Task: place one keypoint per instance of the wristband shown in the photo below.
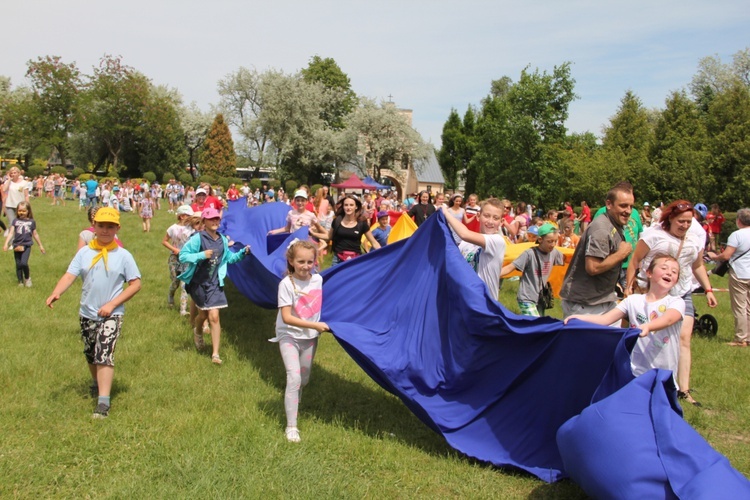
(709, 290)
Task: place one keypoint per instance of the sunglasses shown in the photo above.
(684, 207)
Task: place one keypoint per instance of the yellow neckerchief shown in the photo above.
(102, 249)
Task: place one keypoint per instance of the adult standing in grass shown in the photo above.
(737, 253)
(15, 190)
(104, 268)
(673, 237)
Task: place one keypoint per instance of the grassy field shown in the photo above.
(181, 427)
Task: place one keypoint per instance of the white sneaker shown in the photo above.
(292, 435)
(28, 283)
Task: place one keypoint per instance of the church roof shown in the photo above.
(428, 170)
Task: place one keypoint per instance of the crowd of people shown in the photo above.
(639, 267)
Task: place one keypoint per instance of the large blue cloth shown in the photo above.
(257, 276)
(496, 385)
(419, 321)
(635, 444)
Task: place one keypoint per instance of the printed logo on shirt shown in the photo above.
(641, 318)
(308, 305)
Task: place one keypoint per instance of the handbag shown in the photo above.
(545, 300)
(721, 268)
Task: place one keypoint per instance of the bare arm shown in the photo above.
(168, 245)
(462, 231)
(62, 285)
(372, 240)
(699, 271)
(35, 235)
(605, 319)
(133, 287)
(288, 318)
(641, 250)
(507, 269)
(669, 318)
(725, 255)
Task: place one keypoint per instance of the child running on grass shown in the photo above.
(536, 265)
(104, 267)
(146, 211)
(207, 255)
(656, 313)
(484, 250)
(297, 325)
(22, 231)
(177, 235)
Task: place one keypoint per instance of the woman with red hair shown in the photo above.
(673, 236)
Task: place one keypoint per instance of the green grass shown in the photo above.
(181, 427)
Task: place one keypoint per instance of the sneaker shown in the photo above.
(215, 359)
(198, 339)
(101, 411)
(20, 283)
(292, 435)
(28, 283)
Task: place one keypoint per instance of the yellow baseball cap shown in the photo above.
(107, 214)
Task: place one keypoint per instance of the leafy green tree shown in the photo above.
(340, 99)
(449, 155)
(55, 88)
(19, 124)
(728, 126)
(219, 159)
(518, 137)
(630, 134)
(468, 149)
(679, 153)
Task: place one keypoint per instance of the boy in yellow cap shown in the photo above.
(104, 268)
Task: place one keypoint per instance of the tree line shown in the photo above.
(514, 144)
(305, 126)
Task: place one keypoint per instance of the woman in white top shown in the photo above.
(737, 253)
(15, 190)
(671, 237)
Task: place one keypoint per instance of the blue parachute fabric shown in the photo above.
(257, 276)
(635, 444)
(496, 385)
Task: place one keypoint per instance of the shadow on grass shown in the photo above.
(329, 397)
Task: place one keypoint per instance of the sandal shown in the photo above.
(688, 397)
(198, 339)
(292, 435)
(215, 359)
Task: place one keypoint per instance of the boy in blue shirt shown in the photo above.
(382, 232)
(104, 268)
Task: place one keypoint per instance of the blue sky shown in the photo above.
(431, 56)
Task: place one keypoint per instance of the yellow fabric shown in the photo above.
(102, 249)
(512, 252)
(403, 228)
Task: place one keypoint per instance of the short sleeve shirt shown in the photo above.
(348, 239)
(487, 261)
(601, 239)
(533, 277)
(101, 285)
(660, 349)
(296, 220)
(306, 299)
(23, 232)
(661, 241)
(740, 261)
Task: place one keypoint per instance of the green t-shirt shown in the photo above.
(632, 230)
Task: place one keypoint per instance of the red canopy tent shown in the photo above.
(353, 182)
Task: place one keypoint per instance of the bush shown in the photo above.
(290, 186)
(186, 179)
(35, 170)
(167, 177)
(255, 184)
(85, 177)
(60, 170)
(274, 183)
(208, 178)
(224, 182)
(76, 173)
(150, 177)
(315, 188)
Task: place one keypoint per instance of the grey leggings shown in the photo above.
(297, 355)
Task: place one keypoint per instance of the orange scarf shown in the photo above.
(102, 249)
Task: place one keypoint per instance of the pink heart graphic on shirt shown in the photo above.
(309, 304)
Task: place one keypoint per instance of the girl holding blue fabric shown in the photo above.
(207, 255)
(298, 325)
